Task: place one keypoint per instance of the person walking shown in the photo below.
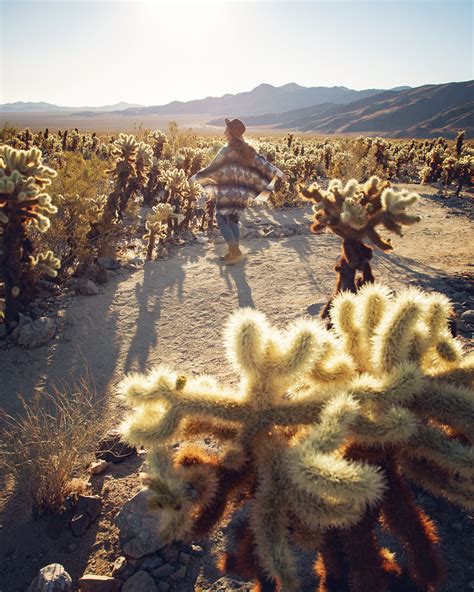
(237, 173)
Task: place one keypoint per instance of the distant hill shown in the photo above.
(429, 110)
(264, 98)
(29, 107)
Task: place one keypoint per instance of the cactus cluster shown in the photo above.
(156, 225)
(132, 162)
(24, 205)
(317, 441)
(354, 212)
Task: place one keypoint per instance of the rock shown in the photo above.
(138, 526)
(3, 331)
(163, 586)
(112, 449)
(164, 571)
(49, 287)
(51, 578)
(136, 261)
(71, 547)
(202, 240)
(37, 333)
(80, 524)
(89, 504)
(184, 558)
(103, 275)
(152, 561)
(98, 467)
(140, 582)
(108, 262)
(170, 553)
(180, 574)
(94, 583)
(468, 317)
(88, 508)
(197, 550)
(86, 287)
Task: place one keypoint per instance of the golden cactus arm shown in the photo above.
(333, 427)
(372, 303)
(448, 403)
(391, 341)
(396, 387)
(449, 349)
(462, 374)
(439, 483)
(429, 442)
(392, 426)
(343, 315)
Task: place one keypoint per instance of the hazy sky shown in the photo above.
(96, 53)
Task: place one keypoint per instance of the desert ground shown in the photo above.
(172, 311)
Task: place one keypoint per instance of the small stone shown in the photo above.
(108, 262)
(3, 331)
(136, 261)
(163, 586)
(98, 467)
(184, 558)
(119, 565)
(37, 333)
(170, 553)
(51, 578)
(180, 574)
(80, 523)
(152, 561)
(139, 526)
(471, 585)
(164, 571)
(457, 526)
(103, 276)
(95, 583)
(140, 582)
(89, 504)
(71, 547)
(86, 287)
(468, 316)
(112, 449)
(197, 550)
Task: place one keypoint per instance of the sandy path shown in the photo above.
(172, 311)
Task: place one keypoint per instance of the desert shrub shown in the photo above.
(48, 446)
(79, 192)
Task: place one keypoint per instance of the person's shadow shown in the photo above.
(236, 274)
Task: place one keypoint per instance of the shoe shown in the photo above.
(234, 255)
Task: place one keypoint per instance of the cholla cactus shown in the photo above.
(318, 440)
(353, 212)
(23, 204)
(132, 162)
(277, 454)
(156, 225)
(396, 357)
(154, 185)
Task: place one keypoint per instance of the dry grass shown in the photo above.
(48, 446)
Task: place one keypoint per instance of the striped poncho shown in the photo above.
(232, 183)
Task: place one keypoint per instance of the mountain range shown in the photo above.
(31, 107)
(424, 111)
(429, 110)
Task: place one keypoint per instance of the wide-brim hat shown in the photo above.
(235, 127)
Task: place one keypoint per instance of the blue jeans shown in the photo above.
(229, 227)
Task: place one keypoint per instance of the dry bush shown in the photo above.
(48, 446)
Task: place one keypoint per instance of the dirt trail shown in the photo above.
(172, 311)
